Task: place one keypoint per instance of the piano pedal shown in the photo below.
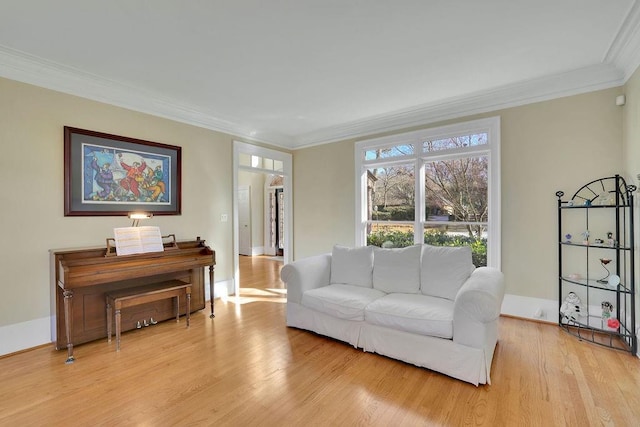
(144, 322)
(153, 322)
(138, 326)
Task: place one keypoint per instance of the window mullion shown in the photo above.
(420, 214)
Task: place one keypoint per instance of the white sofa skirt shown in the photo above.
(438, 354)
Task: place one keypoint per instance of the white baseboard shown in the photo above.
(255, 250)
(33, 333)
(530, 308)
(21, 336)
(540, 309)
(222, 288)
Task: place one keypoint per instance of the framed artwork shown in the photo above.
(114, 175)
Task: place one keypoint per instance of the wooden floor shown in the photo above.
(246, 368)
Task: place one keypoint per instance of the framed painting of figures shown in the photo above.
(113, 175)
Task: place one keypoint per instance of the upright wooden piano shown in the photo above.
(82, 277)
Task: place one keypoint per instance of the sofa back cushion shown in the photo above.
(444, 270)
(352, 266)
(397, 270)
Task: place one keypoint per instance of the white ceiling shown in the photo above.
(300, 72)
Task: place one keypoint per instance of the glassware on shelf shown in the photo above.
(604, 262)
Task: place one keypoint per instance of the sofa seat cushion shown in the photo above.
(415, 313)
(341, 301)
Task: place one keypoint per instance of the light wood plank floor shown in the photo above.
(245, 368)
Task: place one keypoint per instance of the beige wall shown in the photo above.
(31, 196)
(631, 138)
(547, 146)
(323, 198)
(631, 128)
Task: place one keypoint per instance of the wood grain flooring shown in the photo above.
(246, 368)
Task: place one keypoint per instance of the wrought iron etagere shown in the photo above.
(615, 197)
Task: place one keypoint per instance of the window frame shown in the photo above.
(490, 126)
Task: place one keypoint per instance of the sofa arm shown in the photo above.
(304, 274)
(477, 307)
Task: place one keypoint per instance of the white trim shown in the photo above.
(24, 335)
(23, 67)
(221, 289)
(34, 333)
(257, 250)
(527, 307)
(420, 211)
(624, 50)
(575, 82)
(287, 173)
(361, 198)
(489, 125)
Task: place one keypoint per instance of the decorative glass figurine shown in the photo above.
(585, 237)
(604, 262)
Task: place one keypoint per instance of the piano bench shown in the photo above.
(131, 297)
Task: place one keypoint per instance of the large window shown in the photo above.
(437, 186)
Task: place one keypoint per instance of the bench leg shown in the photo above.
(177, 308)
(108, 322)
(188, 308)
(118, 329)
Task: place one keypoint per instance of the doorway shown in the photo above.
(274, 216)
(268, 163)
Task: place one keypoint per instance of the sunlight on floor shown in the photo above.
(249, 295)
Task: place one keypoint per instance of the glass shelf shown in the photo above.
(597, 285)
(595, 246)
(591, 328)
(592, 322)
(592, 206)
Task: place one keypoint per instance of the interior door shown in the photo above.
(244, 220)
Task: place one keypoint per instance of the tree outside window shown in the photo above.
(455, 196)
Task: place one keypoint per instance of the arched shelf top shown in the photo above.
(607, 191)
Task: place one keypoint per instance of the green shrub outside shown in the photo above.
(395, 213)
(393, 239)
(400, 239)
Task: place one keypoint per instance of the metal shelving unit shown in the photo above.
(610, 201)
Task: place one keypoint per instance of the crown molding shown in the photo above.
(624, 51)
(26, 68)
(565, 84)
(621, 60)
(19, 66)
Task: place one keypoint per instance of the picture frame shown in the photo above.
(112, 175)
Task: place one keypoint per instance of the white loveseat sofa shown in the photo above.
(425, 305)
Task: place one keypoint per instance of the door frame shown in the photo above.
(287, 174)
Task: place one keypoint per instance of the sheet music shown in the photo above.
(137, 240)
